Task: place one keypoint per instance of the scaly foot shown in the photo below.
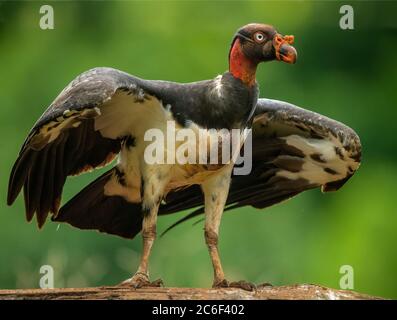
(140, 280)
(245, 285)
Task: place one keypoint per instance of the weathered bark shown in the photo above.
(294, 292)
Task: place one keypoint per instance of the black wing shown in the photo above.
(293, 150)
(81, 130)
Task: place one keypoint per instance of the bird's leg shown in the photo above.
(215, 193)
(141, 277)
(211, 239)
(152, 190)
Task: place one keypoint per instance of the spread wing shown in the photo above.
(293, 150)
(84, 128)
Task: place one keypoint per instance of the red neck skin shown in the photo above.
(240, 66)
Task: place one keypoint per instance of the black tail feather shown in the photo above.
(92, 209)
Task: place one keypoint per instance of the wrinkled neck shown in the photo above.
(240, 66)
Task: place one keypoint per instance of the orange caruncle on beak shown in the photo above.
(283, 49)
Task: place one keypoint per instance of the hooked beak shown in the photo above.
(283, 49)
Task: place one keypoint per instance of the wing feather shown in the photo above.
(65, 140)
(293, 150)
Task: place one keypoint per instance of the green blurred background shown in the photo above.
(347, 75)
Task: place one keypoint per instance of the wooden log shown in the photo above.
(293, 292)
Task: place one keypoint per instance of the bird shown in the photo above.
(105, 114)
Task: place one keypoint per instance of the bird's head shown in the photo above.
(255, 43)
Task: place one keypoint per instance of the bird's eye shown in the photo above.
(259, 37)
